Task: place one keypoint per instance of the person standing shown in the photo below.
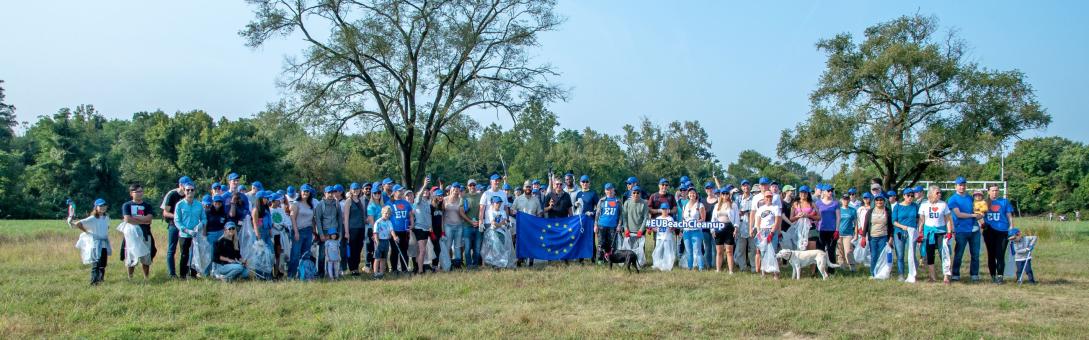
(302, 222)
(217, 221)
(327, 221)
(846, 227)
(852, 199)
(935, 217)
(455, 222)
(403, 221)
(558, 202)
(608, 212)
(636, 213)
(745, 248)
(421, 210)
(876, 230)
(726, 212)
(170, 200)
(471, 232)
(905, 219)
(355, 218)
(693, 238)
(997, 223)
(190, 219)
(827, 227)
(966, 229)
(530, 204)
(139, 213)
(767, 219)
(95, 246)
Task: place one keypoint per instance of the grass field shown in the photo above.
(44, 293)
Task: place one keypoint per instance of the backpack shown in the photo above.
(307, 270)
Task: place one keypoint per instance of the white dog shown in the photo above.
(802, 258)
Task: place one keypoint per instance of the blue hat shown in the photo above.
(497, 199)
(241, 187)
(569, 174)
(276, 197)
(280, 192)
(685, 179)
(291, 190)
(690, 187)
(609, 186)
(232, 176)
(387, 181)
(804, 188)
(631, 180)
(355, 186)
(100, 202)
(636, 188)
(879, 197)
(506, 186)
(708, 185)
(230, 225)
(536, 190)
(217, 198)
(329, 188)
(664, 206)
(338, 188)
(745, 182)
(890, 193)
(728, 188)
(1013, 232)
(764, 180)
(867, 195)
(908, 191)
(397, 187)
(206, 200)
(260, 194)
(663, 181)
(918, 188)
(852, 191)
(960, 180)
(439, 192)
(304, 187)
(536, 182)
(495, 177)
(330, 231)
(456, 185)
(216, 185)
(184, 180)
(258, 185)
(375, 188)
(584, 178)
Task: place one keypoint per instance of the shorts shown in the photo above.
(421, 235)
(382, 251)
(725, 236)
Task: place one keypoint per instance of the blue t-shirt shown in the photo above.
(401, 210)
(610, 213)
(374, 209)
(997, 216)
(964, 203)
(847, 216)
(828, 215)
(384, 229)
(906, 214)
(588, 198)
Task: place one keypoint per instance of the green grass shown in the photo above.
(44, 293)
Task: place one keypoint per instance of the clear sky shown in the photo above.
(727, 64)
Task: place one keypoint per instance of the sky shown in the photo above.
(725, 64)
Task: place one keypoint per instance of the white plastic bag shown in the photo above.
(883, 268)
(909, 254)
(665, 250)
(200, 253)
(861, 254)
(135, 248)
(1010, 273)
(634, 244)
(89, 248)
(798, 236)
(497, 249)
(259, 260)
(947, 262)
(768, 262)
(246, 237)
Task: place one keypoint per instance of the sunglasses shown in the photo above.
(189, 190)
(138, 192)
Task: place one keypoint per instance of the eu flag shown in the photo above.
(554, 238)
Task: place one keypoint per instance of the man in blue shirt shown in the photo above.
(996, 225)
(965, 228)
(585, 203)
(402, 220)
(608, 218)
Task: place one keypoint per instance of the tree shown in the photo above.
(7, 120)
(751, 164)
(907, 98)
(408, 66)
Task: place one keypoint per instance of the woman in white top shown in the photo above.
(693, 238)
(94, 243)
(768, 217)
(726, 211)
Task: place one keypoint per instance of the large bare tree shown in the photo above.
(409, 67)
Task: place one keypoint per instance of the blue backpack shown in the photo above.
(307, 270)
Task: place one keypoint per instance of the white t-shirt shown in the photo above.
(934, 214)
(492, 216)
(766, 214)
(486, 200)
(98, 227)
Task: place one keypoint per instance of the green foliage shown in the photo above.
(907, 98)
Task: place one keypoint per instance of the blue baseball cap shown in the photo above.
(685, 179)
(396, 187)
(852, 191)
(184, 180)
(100, 202)
(216, 185)
(506, 186)
(745, 182)
(890, 193)
(217, 198)
(631, 180)
(867, 195)
(387, 181)
(439, 192)
(375, 188)
(260, 194)
(764, 180)
(879, 197)
(960, 180)
(355, 186)
(241, 187)
(535, 182)
(495, 177)
(497, 199)
(456, 185)
(280, 192)
(584, 178)
(664, 206)
(708, 185)
(232, 176)
(230, 225)
(536, 190)
(804, 188)
(257, 185)
(304, 187)
(663, 181)
(338, 188)
(291, 190)
(908, 191)
(918, 188)
(569, 174)
(207, 199)
(609, 186)
(1013, 232)
(636, 188)
(276, 196)
(328, 188)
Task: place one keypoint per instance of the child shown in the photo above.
(383, 232)
(497, 243)
(1022, 249)
(332, 254)
(665, 246)
(979, 205)
(94, 243)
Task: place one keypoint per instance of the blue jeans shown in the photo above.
(212, 237)
(971, 239)
(708, 249)
(454, 235)
(306, 239)
(471, 242)
(171, 248)
(232, 271)
(876, 245)
(899, 246)
(1027, 276)
(693, 245)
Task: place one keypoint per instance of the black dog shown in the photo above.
(626, 257)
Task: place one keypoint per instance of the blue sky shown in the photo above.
(727, 64)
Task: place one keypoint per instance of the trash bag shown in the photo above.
(89, 248)
(259, 260)
(1011, 263)
(883, 268)
(635, 244)
(861, 254)
(444, 253)
(768, 262)
(200, 254)
(947, 261)
(307, 270)
(287, 240)
(498, 248)
(910, 255)
(798, 236)
(430, 256)
(665, 251)
(246, 237)
(412, 247)
(135, 247)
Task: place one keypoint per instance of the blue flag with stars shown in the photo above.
(552, 239)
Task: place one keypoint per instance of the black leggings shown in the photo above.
(183, 262)
(355, 247)
(400, 252)
(996, 243)
(98, 271)
(931, 248)
(826, 241)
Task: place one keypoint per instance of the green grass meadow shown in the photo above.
(44, 292)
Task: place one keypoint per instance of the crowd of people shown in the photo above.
(235, 231)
